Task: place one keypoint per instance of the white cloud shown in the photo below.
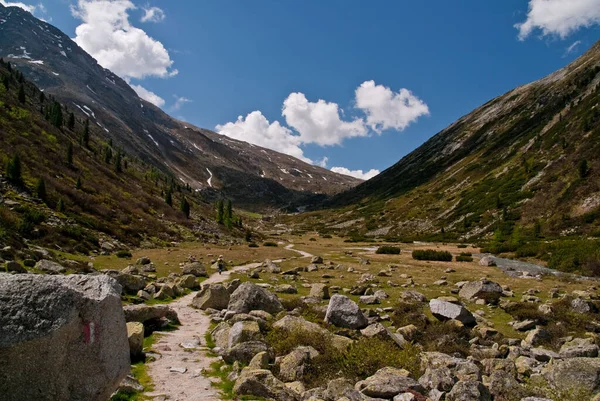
(322, 162)
(148, 96)
(153, 14)
(26, 7)
(571, 48)
(319, 122)
(179, 102)
(256, 129)
(386, 109)
(356, 173)
(108, 36)
(559, 17)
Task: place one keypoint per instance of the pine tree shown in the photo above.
(229, 210)
(118, 167)
(169, 198)
(583, 168)
(9, 67)
(125, 164)
(220, 211)
(21, 95)
(85, 137)
(185, 207)
(5, 82)
(78, 184)
(42, 97)
(56, 117)
(107, 154)
(70, 154)
(13, 170)
(20, 77)
(40, 189)
(71, 121)
(60, 206)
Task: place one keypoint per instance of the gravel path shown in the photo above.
(304, 254)
(177, 374)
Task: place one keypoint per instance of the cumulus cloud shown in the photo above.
(26, 7)
(148, 96)
(319, 122)
(153, 14)
(356, 173)
(179, 102)
(559, 17)
(108, 36)
(386, 109)
(256, 129)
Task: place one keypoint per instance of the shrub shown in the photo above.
(123, 254)
(312, 239)
(406, 313)
(253, 245)
(463, 258)
(431, 254)
(388, 250)
(326, 236)
(462, 246)
(270, 243)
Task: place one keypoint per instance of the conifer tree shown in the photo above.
(228, 214)
(56, 117)
(169, 198)
(107, 154)
(185, 207)
(5, 82)
(220, 211)
(13, 170)
(40, 189)
(60, 206)
(78, 184)
(21, 95)
(118, 167)
(70, 154)
(71, 121)
(85, 137)
(42, 97)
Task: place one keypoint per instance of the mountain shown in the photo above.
(527, 159)
(253, 177)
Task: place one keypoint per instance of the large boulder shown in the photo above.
(343, 312)
(298, 324)
(61, 338)
(294, 364)
(195, 269)
(144, 313)
(15, 267)
(214, 296)
(271, 267)
(249, 296)
(244, 331)
(262, 383)
(489, 291)
(48, 266)
(444, 310)
(135, 335)
(469, 390)
(188, 281)
(387, 383)
(581, 374)
(244, 352)
(487, 261)
(319, 291)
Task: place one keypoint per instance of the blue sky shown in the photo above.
(324, 79)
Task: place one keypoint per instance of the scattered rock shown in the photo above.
(214, 296)
(387, 383)
(248, 296)
(48, 266)
(343, 312)
(487, 261)
(319, 291)
(483, 289)
(262, 383)
(195, 268)
(135, 336)
(444, 310)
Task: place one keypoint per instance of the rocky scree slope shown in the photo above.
(530, 155)
(251, 176)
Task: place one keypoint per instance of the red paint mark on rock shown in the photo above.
(89, 333)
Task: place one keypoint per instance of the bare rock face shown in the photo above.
(343, 312)
(61, 338)
(249, 296)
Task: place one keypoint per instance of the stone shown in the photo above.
(144, 313)
(387, 383)
(213, 296)
(135, 336)
(487, 261)
(249, 296)
(232, 285)
(130, 385)
(579, 348)
(48, 266)
(524, 325)
(440, 379)
(271, 267)
(244, 331)
(405, 397)
(369, 300)
(14, 267)
(293, 364)
(286, 289)
(469, 391)
(195, 268)
(543, 355)
(579, 305)
(245, 351)
(144, 260)
(262, 383)
(188, 281)
(343, 312)
(319, 291)
(316, 260)
(413, 296)
(220, 335)
(444, 310)
(581, 373)
(536, 336)
(502, 384)
(409, 332)
(61, 337)
(490, 291)
(260, 361)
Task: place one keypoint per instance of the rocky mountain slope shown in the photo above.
(528, 158)
(253, 177)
